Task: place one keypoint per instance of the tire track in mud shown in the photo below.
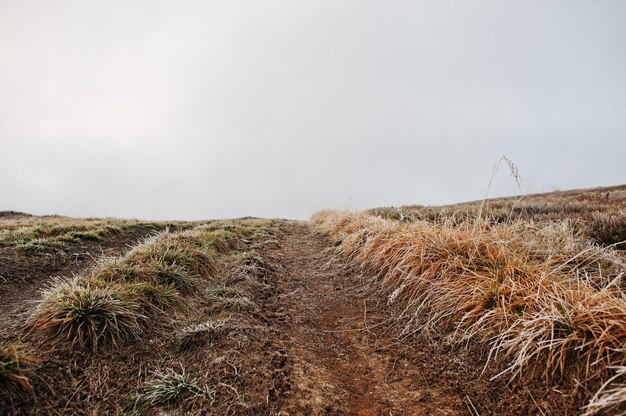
(328, 362)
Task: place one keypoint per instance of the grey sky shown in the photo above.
(209, 109)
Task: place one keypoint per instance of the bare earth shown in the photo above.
(336, 362)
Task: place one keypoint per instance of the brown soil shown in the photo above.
(336, 364)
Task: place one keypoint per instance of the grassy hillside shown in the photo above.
(128, 333)
(538, 281)
(507, 306)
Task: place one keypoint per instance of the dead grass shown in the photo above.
(253, 264)
(599, 214)
(607, 229)
(32, 233)
(227, 297)
(175, 297)
(540, 294)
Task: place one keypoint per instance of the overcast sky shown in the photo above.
(214, 109)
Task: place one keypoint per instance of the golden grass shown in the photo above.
(600, 214)
(542, 296)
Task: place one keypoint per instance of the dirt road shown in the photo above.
(335, 362)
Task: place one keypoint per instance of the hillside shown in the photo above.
(514, 306)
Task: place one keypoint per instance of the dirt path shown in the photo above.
(335, 362)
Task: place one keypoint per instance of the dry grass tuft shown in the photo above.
(611, 394)
(598, 213)
(87, 315)
(253, 264)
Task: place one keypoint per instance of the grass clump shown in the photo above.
(106, 305)
(14, 364)
(224, 292)
(154, 297)
(40, 244)
(170, 249)
(159, 270)
(611, 394)
(87, 315)
(168, 387)
(175, 276)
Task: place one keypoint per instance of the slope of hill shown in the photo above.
(507, 307)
